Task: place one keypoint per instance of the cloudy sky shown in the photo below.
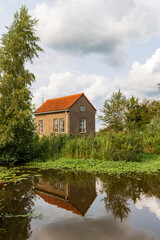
(95, 47)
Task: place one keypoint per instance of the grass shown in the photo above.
(147, 164)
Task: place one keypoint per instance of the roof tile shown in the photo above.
(58, 104)
(61, 203)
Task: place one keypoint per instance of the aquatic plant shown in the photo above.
(147, 164)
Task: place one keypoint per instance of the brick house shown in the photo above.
(70, 114)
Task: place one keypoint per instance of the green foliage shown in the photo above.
(133, 117)
(18, 46)
(147, 164)
(151, 138)
(150, 108)
(98, 147)
(125, 155)
(120, 113)
(114, 111)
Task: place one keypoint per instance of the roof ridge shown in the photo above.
(65, 96)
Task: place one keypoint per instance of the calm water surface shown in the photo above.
(81, 207)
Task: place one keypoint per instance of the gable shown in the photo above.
(83, 101)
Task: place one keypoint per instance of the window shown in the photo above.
(40, 126)
(61, 186)
(40, 180)
(55, 125)
(82, 125)
(55, 185)
(82, 109)
(62, 125)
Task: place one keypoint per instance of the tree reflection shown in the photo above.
(120, 190)
(17, 199)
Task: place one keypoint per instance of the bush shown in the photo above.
(151, 136)
(124, 155)
(102, 146)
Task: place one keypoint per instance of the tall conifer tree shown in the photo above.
(18, 46)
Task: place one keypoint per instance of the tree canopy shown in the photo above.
(113, 111)
(120, 113)
(18, 46)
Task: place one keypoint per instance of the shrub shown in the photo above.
(151, 136)
(124, 155)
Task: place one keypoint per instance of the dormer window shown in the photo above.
(82, 108)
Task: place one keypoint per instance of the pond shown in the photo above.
(66, 205)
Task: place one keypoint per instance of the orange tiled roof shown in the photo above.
(58, 202)
(57, 104)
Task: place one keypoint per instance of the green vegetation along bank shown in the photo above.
(147, 164)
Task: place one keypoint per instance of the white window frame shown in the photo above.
(55, 125)
(61, 125)
(40, 126)
(82, 108)
(61, 186)
(82, 125)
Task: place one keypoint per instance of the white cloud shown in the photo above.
(152, 203)
(142, 81)
(101, 27)
(86, 228)
(60, 84)
(144, 78)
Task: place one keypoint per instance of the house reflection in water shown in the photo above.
(68, 196)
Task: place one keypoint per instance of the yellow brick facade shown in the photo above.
(48, 122)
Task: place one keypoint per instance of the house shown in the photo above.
(69, 114)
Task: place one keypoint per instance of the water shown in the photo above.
(76, 206)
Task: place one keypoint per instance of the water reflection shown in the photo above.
(17, 199)
(104, 228)
(80, 210)
(70, 195)
(119, 190)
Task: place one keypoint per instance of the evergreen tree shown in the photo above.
(18, 46)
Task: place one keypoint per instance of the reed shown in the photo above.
(108, 146)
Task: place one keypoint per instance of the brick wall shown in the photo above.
(48, 122)
(53, 189)
(76, 115)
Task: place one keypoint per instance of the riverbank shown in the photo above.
(147, 164)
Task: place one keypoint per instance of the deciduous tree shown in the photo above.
(114, 111)
(18, 46)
